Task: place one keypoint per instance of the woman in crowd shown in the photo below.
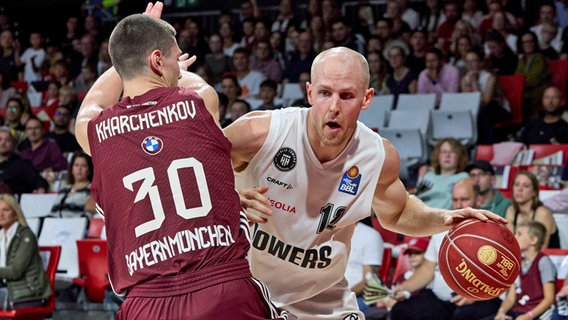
(448, 162)
(6, 92)
(378, 70)
(526, 205)
(499, 24)
(499, 58)
(401, 79)
(493, 106)
(21, 267)
(217, 60)
(227, 34)
(75, 199)
(458, 49)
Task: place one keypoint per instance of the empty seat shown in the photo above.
(35, 205)
(411, 147)
(461, 101)
(410, 119)
(376, 115)
(460, 125)
(93, 268)
(414, 101)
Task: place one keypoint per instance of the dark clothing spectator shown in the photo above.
(540, 132)
(417, 64)
(47, 155)
(66, 141)
(297, 65)
(507, 65)
(21, 175)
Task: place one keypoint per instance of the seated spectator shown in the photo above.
(6, 92)
(73, 200)
(439, 303)
(431, 18)
(416, 60)
(227, 35)
(17, 175)
(14, 110)
(247, 40)
(238, 108)
(415, 251)
(384, 27)
(68, 98)
(500, 59)
(446, 29)
(401, 80)
(550, 128)
(458, 49)
(547, 15)
(302, 102)
(277, 46)
(342, 35)
(533, 65)
(490, 199)
(378, 71)
(400, 28)
(50, 98)
(249, 80)
(21, 268)
(471, 13)
(438, 77)
(499, 24)
(86, 78)
(448, 162)
(493, 106)
(264, 63)
(44, 153)
(268, 91)
(547, 35)
(365, 258)
(526, 206)
(532, 294)
(217, 60)
(301, 59)
(224, 119)
(61, 134)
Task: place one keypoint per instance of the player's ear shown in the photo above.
(309, 92)
(369, 93)
(156, 62)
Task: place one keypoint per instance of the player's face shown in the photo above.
(7, 215)
(523, 190)
(337, 94)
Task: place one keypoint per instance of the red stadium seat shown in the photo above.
(557, 256)
(22, 86)
(386, 265)
(559, 75)
(95, 228)
(45, 310)
(543, 150)
(484, 152)
(402, 265)
(93, 268)
(513, 89)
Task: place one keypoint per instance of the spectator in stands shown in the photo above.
(533, 65)
(438, 77)
(401, 80)
(268, 91)
(263, 61)
(416, 60)
(388, 39)
(378, 71)
(44, 153)
(68, 98)
(71, 32)
(494, 7)
(471, 13)
(92, 27)
(224, 119)
(52, 55)
(277, 46)
(25, 282)
(6, 91)
(217, 60)
(50, 98)
(61, 134)
(499, 24)
(448, 162)
(238, 108)
(330, 12)
(409, 15)
(302, 102)
(446, 29)
(365, 258)
(550, 128)
(547, 14)
(194, 42)
(227, 34)
(432, 17)
(33, 58)
(500, 58)
(89, 54)
(230, 88)
(400, 28)
(14, 110)
(491, 199)
(415, 250)
(261, 30)
(104, 62)
(302, 58)
(493, 106)
(249, 80)
(62, 72)
(73, 200)
(285, 17)
(319, 34)
(458, 49)
(439, 303)
(526, 206)
(547, 34)
(17, 174)
(27, 111)
(247, 39)
(85, 79)
(532, 294)
(342, 35)
(10, 63)
(314, 9)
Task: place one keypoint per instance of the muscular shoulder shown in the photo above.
(247, 135)
(391, 166)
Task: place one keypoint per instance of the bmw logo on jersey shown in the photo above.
(152, 145)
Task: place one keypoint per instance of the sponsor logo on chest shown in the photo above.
(350, 181)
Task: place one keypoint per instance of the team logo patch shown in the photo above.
(350, 182)
(152, 145)
(285, 159)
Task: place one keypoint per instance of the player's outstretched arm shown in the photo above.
(400, 212)
(104, 92)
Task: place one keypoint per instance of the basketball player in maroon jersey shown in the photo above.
(178, 238)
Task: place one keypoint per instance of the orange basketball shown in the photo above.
(479, 260)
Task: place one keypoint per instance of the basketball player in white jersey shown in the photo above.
(317, 172)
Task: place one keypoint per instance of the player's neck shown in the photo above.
(139, 86)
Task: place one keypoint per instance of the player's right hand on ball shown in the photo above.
(253, 198)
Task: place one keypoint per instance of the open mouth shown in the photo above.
(332, 125)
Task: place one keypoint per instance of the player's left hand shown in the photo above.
(154, 10)
(461, 301)
(184, 61)
(454, 217)
(253, 198)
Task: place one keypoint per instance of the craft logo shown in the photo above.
(152, 145)
(350, 182)
(285, 159)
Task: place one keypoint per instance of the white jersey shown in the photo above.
(302, 250)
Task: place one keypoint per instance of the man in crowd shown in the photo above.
(483, 174)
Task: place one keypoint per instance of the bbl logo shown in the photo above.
(285, 159)
(152, 145)
(350, 182)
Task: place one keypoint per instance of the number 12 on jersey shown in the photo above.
(147, 188)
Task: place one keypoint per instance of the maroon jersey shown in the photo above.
(530, 293)
(164, 182)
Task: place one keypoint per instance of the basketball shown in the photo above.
(479, 260)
